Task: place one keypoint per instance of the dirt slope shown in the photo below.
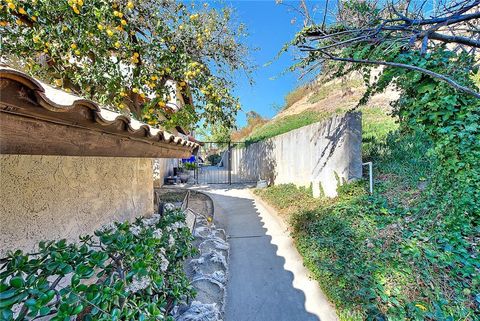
(338, 95)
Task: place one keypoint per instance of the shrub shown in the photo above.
(214, 159)
(190, 166)
(127, 271)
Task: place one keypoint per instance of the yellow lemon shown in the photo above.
(161, 104)
(135, 90)
(77, 52)
(117, 44)
(11, 5)
(123, 22)
(109, 32)
(58, 82)
(130, 5)
(21, 11)
(420, 306)
(73, 46)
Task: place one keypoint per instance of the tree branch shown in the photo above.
(441, 77)
(456, 39)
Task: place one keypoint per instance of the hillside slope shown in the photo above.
(312, 103)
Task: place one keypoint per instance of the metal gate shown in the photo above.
(222, 163)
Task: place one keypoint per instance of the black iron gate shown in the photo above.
(222, 163)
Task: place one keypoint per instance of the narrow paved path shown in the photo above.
(267, 280)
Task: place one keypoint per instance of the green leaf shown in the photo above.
(17, 282)
(7, 294)
(78, 309)
(426, 87)
(44, 310)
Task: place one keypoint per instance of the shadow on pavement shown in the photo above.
(259, 286)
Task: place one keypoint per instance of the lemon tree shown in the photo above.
(131, 55)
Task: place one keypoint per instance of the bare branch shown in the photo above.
(456, 39)
(441, 77)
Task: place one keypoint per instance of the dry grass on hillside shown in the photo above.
(311, 103)
(243, 133)
(338, 95)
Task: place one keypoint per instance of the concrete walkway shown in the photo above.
(267, 280)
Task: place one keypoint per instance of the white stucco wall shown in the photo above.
(323, 154)
(53, 197)
(162, 168)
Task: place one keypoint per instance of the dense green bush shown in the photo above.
(214, 159)
(127, 271)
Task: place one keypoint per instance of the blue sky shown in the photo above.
(269, 26)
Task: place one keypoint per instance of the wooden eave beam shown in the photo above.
(26, 128)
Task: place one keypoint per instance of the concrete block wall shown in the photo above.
(54, 197)
(323, 154)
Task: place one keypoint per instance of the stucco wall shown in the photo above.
(53, 197)
(162, 168)
(323, 155)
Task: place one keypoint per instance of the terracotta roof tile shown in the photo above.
(71, 108)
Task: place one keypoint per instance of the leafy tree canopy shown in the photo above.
(131, 55)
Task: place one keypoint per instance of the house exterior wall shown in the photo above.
(54, 197)
(160, 169)
(323, 155)
(163, 168)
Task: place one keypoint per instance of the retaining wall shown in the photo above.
(323, 154)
